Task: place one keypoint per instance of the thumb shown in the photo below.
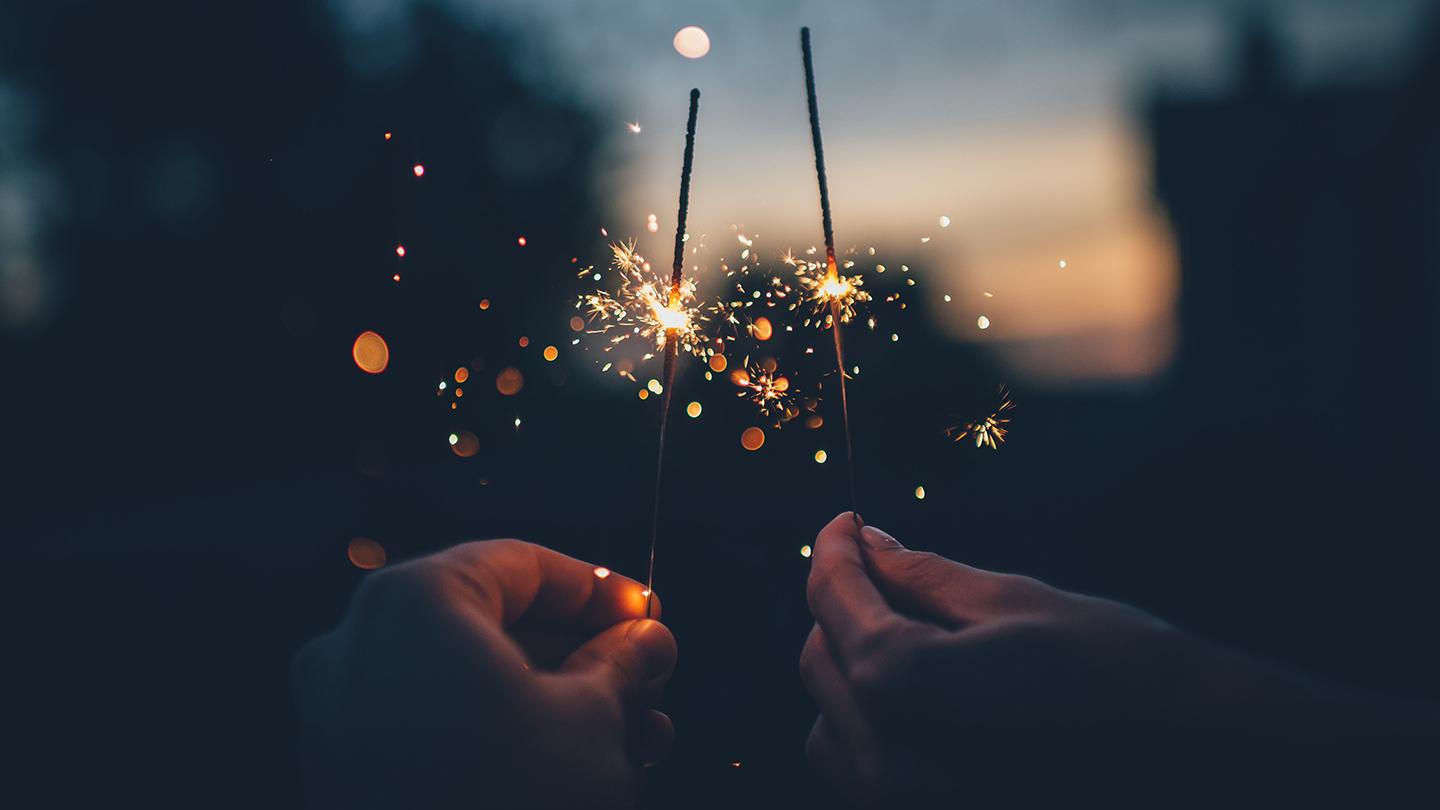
(923, 583)
(632, 659)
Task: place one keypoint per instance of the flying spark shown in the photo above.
(989, 431)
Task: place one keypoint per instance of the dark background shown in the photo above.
(188, 448)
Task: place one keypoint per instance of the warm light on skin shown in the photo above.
(366, 554)
(371, 353)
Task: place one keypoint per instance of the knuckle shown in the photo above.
(408, 584)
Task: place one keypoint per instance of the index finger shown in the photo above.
(845, 602)
(516, 580)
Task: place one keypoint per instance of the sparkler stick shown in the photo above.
(832, 272)
(672, 337)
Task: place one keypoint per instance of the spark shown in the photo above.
(645, 306)
(633, 126)
(419, 170)
(768, 391)
(989, 431)
(827, 287)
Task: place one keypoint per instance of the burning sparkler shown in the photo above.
(662, 312)
(839, 292)
(678, 324)
(990, 430)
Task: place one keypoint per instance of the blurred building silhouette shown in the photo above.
(1305, 221)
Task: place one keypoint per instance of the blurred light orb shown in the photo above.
(522, 241)
(577, 324)
(805, 551)
(655, 386)
(550, 354)
(464, 444)
(944, 222)
(400, 251)
(1062, 264)
(462, 374)
(692, 42)
(752, 439)
(509, 381)
(762, 329)
(919, 493)
(821, 456)
(718, 363)
(982, 322)
(602, 572)
(366, 554)
(484, 303)
(693, 410)
(419, 170)
(370, 353)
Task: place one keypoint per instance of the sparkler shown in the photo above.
(840, 293)
(989, 431)
(678, 324)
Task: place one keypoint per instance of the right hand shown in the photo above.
(936, 680)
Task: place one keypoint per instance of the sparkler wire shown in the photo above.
(831, 268)
(672, 343)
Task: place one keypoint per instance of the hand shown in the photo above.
(938, 680)
(495, 674)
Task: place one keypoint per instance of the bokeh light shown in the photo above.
(762, 329)
(464, 444)
(509, 381)
(718, 362)
(462, 374)
(366, 554)
(371, 353)
(752, 439)
(550, 354)
(805, 551)
(692, 42)
(821, 456)
(693, 410)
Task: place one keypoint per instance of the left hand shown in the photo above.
(496, 674)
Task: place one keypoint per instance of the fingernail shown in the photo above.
(656, 645)
(876, 539)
